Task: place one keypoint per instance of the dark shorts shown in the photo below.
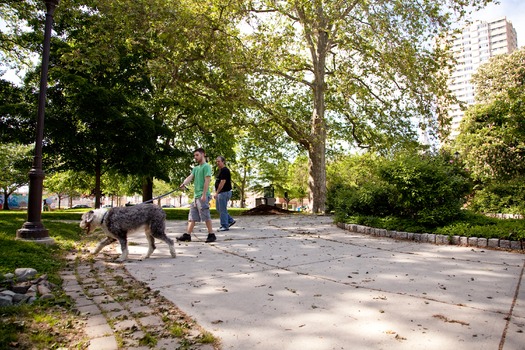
(199, 210)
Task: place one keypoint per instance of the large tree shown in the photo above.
(134, 86)
(16, 114)
(170, 59)
(358, 70)
(492, 134)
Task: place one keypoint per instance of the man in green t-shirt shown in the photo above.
(200, 206)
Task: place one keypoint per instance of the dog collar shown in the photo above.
(103, 217)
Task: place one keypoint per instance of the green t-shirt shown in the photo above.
(199, 174)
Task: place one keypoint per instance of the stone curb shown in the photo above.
(493, 243)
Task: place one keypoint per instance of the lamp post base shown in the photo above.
(34, 232)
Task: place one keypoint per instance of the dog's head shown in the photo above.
(86, 222)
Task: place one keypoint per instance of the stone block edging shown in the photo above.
(478, 242)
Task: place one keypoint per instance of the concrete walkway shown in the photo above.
(299, 282)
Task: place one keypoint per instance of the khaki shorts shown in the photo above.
(199, 210)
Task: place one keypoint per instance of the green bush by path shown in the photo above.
(468, 224)
(428, 189)
(506, 198)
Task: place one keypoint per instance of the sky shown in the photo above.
(514, 10)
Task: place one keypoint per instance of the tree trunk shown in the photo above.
(147, 189)
(98, 175)
(6, 203)
(317, 177)
(243, 186)
(317, 144)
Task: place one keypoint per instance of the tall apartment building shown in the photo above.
(473, 47)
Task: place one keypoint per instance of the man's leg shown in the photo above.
(208, 226)
(193, 216)
(204, 212)
(230, 220)
(222, 202)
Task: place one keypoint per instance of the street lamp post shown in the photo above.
(33, 229)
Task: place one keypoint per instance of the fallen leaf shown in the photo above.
(446, 319)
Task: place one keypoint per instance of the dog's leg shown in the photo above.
(151, 243)
(170, 244)
(162, 236)
(124, 248)
(102, 244)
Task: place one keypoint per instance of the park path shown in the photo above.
(299, 282)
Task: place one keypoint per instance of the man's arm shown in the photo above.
(219, 187)
(186, 181)
(207, 180)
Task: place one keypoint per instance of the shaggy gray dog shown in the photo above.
(116, 222)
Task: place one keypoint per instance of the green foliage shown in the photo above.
(297, 182)
(390, 223)
(320, 72)
(492, 137)
(9, 331)
(427, 189)
(261, 160)
(17, 114)
(508, 198)
(467, 224)
(170, 76)
(69, 183)
(14, 165)
(477, 225)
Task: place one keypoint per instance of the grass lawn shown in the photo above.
(44, 324)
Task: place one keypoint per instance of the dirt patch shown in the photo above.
(265, 209)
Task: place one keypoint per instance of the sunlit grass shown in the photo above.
(206, 338)
(37, 323)
(177, 331)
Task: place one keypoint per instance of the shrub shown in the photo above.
(427, 189)
(508, 198)
(468, 224)
(477, 225)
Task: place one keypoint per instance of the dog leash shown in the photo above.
(162, 195)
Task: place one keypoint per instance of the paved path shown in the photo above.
(118, 312)
(299, 282)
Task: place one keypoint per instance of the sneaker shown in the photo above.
(223, 229)
(232, 223)
(184, 238)
(211, 238)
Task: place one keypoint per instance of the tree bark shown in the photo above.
(147, 189)
(317, 177)
(317, 144)
(98, 175)
(6, 203)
